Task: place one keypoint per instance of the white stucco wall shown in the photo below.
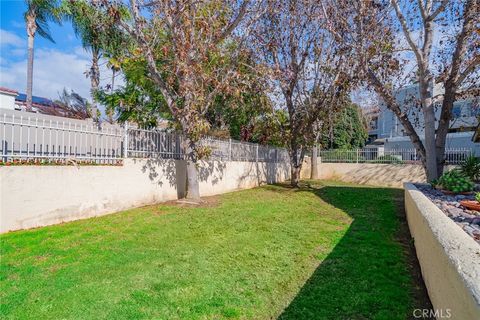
(7, 101)
(380, 174)
(34, 196)
(448, 256)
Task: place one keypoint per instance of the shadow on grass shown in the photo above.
(373, 272)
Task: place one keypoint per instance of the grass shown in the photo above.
(327, 251)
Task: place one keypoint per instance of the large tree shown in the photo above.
(306, 69)
(330, 102)
(437, 40)
(39, 13)
(181, 43)
(139, 100)
(345, 129)
(245, 116)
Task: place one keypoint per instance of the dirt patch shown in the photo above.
(159, 208)
(403, 236)
(206, 202)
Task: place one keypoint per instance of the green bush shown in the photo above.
(455, 181)
(470, 167)
(477, 196)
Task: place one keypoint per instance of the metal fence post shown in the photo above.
(230, 149)
(256, 152)
(357, 155)
(125, 141)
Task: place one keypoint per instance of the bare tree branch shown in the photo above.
(407, 33)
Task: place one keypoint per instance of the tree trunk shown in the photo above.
(430, 149)
(443, 126)
(330, 130)
(295, 179)
(193, 188)
(296, 161)
(31, 29)
(314, 165)
(94, 81)
(453, 81)
(401, 115)
(429, 121)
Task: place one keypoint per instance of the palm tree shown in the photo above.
(83, 15)
(114, 65)
(95, 30)
(37, 16)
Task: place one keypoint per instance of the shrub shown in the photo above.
(455, 181)
(470, 167)
(477, 196)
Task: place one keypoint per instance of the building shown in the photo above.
(39, 104)
(371, 115)
(13, 100)
(7, 98)
(386, 127)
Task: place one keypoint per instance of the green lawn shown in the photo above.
(327, 251)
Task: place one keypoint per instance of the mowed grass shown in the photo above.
(326, 251)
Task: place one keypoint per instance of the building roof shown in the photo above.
(8, 91)
(22, 97)
(44, 105)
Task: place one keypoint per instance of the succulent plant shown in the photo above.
(455, 181)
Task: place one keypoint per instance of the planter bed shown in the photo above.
(468, 220)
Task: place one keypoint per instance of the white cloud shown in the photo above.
(17, 24)
(18, 52)
(8, 38)
(53, 70)
(81, 52)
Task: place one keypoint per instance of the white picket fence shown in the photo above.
(143, 143)
(396, 156)
(47, 139)
(27, 138)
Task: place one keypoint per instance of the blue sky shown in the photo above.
(56, 65)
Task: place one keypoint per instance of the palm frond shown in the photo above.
(45, 11)
(43, 30)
